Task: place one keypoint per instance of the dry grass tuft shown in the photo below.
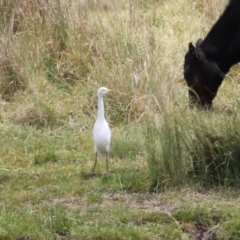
(38, 115)
(212, 9)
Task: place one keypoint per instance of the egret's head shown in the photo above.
(103, 91)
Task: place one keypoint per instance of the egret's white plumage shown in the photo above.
(101, 130)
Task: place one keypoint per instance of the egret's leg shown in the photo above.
(95, 163)
(107, 161)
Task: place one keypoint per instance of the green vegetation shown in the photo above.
(173, 172)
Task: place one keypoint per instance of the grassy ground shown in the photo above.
(53, 57)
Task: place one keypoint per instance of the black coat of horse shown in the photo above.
(206, 64)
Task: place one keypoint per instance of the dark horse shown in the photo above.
(206, 64)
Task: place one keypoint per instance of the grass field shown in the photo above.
(173, 171)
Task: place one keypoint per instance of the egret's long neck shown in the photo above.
(100, 107)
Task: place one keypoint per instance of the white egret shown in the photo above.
(101, 130)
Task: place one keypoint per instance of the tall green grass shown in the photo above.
(199, 146)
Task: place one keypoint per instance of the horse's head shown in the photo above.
(203, 77)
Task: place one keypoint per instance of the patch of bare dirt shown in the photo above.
(162, 202)
(147, 202)
(4, 178)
